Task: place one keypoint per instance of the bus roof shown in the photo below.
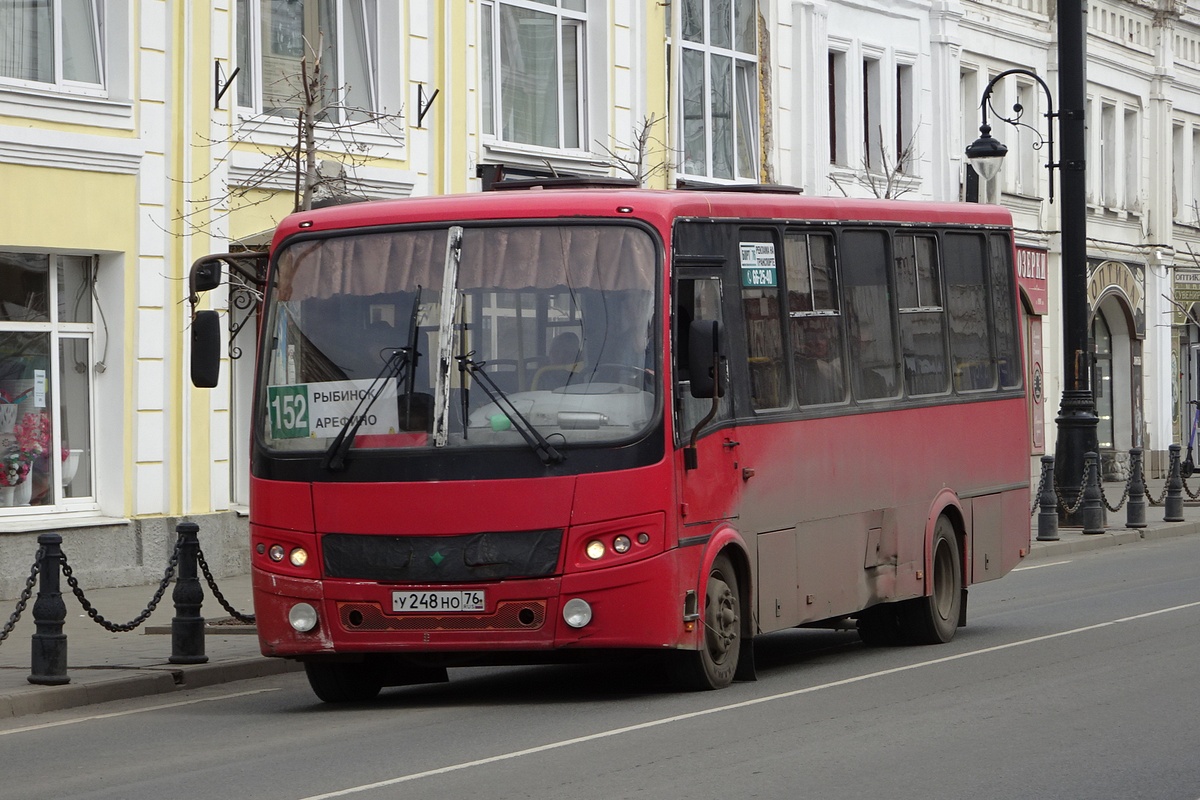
(659, 206)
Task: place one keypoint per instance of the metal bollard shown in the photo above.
(1173, 511)
(187, 626)
(1047, 504)
(1092, 513)
(49, 656)
(1135, 511)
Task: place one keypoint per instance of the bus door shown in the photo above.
(711, 491)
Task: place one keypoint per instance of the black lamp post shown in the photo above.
(1077, 413)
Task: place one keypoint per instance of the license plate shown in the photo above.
(439, 602)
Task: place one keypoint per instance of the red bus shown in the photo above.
(541, 424)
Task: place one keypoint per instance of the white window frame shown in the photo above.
(745, 98)
(60, 331)
(570, 20)
(250, 80)
(59, 82)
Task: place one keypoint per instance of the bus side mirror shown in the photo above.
(206, 349)
(705, 342)
(205, 275)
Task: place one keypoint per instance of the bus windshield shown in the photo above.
(391, 329)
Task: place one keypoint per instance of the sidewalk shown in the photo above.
(104, 666)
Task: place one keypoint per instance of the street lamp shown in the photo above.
(1077, 419)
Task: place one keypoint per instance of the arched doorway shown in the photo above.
(1116, 384)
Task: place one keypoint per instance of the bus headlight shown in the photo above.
(303, 617)
(577, 612)
(622, 543)
(595, 550)
(276, 552)
(298, 557)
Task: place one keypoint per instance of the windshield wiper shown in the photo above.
(335, 456)
(530, 434)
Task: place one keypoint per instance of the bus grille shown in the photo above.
(524, 615)
(471, 557)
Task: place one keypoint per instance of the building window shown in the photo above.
(837, 109)
(280, 42)
(719, 89)
(1133, 155)
(873, 140)
(46, 358)
(905, 129)
(53, 41)
(533, 83)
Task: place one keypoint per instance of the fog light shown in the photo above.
(298, 557)
(595, 550)
(276, 552)
(622, 544)
(643, 538)
(303, 617)
(577, 612)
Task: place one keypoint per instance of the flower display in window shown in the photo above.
(14, 468)
(33, 434)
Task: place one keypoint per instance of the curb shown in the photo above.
(143, 682)
(1077, 542)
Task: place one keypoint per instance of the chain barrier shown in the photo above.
(1120, 503)
(27, 593)
(1194, 495)
(140, 618)
(1073, 509)
(1161, 497)
(212, 584)
(1037, 496)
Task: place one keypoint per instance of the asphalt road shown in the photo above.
(1076, 678)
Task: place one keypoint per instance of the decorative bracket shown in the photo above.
(423, 103)
(221, 84)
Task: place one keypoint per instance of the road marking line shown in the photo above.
(1039, 566)
(76, 720)
(731, 707)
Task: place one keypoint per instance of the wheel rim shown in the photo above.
(720, 618)
(943, 580)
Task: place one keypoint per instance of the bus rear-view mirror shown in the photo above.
(206, 349)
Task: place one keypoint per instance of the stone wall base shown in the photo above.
(126, 552)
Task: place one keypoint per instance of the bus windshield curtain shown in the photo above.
(508, 258)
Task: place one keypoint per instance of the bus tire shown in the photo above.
(339, 682)
(934, 619)
(714, 664)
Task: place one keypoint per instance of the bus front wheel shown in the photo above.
(341, 682)
(714, 664)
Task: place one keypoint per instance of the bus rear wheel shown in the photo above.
(714, 664)
(340, 682)
(934, 619)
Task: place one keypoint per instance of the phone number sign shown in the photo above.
(319, 410)
(758, 265)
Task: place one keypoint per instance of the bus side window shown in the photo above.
(922, 318)
(871, 345)
(1008, 356)
(814, 318)
(967, 304)
(695, 299)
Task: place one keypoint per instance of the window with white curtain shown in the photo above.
(281, 41)
(719, 89)
(532, 58)
(52, 42)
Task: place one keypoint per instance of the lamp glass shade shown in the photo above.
(986, 155)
